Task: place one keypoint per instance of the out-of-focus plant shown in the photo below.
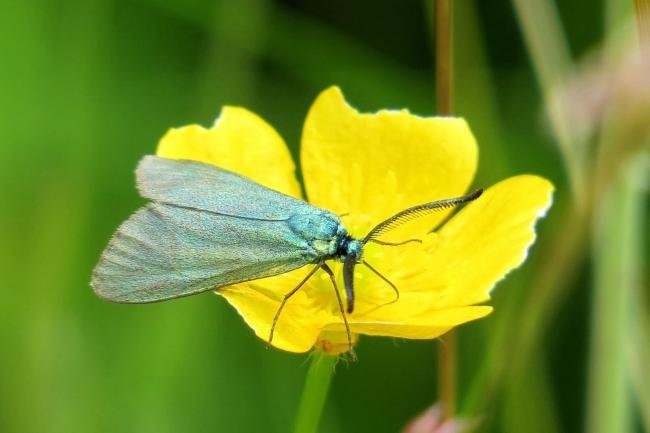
(432, 420)
(599, 114)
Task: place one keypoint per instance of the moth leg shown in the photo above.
(327, 269)
(386, 280)
(288, 296)
(394, 244)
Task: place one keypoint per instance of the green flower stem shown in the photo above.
(314, 394)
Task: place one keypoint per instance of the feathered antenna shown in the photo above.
(417, 211)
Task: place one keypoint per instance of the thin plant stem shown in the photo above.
(314, 393)
(444, 98)
(444, 57)
(447, 374)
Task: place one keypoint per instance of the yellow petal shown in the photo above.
(436, 324)
(461, 262)
(375, 165)
(239, 141)
(372, 166)
(455, 268)
(488, 238)
(303, 317)
(439, 281)
(242, 142)
(335, 342)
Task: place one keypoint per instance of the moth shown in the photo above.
(206, 228)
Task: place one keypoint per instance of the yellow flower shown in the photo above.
(366, 168)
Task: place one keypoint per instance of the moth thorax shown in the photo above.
(324, 247)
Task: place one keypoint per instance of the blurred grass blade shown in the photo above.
(638, 344)
(316, 53)
(615, 254)
(638, 338)
(549, 53)
(237, 34)
(545, 40)
(475, 94)
(529, 404)
(642, 12)
(616, 249)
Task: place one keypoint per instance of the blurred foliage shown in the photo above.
(88, 87)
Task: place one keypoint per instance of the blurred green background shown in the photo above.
(88, 87)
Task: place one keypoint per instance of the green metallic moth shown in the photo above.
(207, 228)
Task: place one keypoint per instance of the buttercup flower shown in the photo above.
(366, 168)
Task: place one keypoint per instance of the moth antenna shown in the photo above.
(395, 244)
(417, 211)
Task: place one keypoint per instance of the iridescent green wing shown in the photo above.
(207, 187)
(164, 252)
(206, 228)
